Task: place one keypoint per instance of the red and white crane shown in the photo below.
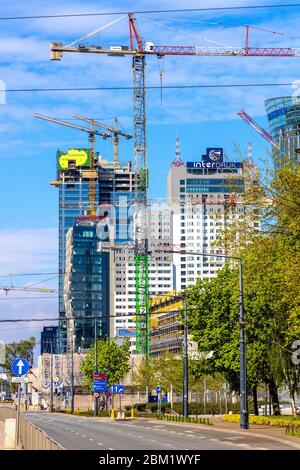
(139, 49)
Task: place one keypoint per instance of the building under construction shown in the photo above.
(74, 174)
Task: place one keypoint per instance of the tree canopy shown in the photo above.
(111, 358)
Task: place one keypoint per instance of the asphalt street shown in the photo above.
(81, 433)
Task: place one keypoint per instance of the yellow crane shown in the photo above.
(115, 131)
(29, 289)
(92, 133)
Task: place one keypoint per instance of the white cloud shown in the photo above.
(28, 250)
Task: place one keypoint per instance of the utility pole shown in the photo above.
(185, 363)
(95, 366)
(244, 419)
(72, 371)
(51, 377)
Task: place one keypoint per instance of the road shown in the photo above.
(82, 433)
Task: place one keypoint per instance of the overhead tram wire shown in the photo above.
(149, 87)
(148, 12)
(25, 320)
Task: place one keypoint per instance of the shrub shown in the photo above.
(281, 421)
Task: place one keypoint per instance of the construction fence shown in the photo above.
(30, 437)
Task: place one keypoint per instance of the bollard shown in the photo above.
(132, 413)
(113, 414)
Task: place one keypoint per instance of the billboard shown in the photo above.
(77, 157)
(126, 332)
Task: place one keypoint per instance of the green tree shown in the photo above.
(271, 261)
(23, 348)
(111, 358)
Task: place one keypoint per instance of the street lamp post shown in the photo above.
(72, 373)
(244, 421)
(244, 418)
(185, 364)
(95, 367)
(51, 376)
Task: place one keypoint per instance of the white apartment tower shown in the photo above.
(205, 196)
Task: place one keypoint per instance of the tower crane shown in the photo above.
(92, 133)
(114, 130)
(261, 131)
(139, 50)
(44, 290)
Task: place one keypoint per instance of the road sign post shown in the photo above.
(19, 367)
(158, 391)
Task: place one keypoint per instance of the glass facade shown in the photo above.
(89, 286)
(214, 185)
(73, 202)
(49, 340)
(284, 123)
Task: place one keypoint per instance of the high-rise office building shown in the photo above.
(73, 181)
(86, 285)
(204, 196)
(49, 340)
(283, 114)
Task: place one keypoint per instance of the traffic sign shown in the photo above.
(117, 388)
(100, 376)
(20, 366)
(99, 385)
(107, 394)
(19, 380)
(96, 395)
(158, 389)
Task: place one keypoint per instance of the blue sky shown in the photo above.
(201, 117)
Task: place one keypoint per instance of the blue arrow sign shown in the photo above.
(20, 366)
(158, 389)
(117, 388)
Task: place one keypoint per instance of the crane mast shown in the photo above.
(140, 193)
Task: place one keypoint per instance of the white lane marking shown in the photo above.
(170, 445)
(91, 439)
(77, 433)
(201, 437)
(99, 443)
(232, 438)
(243, 445)
(82, 435)
(153, 440)
(260, 448)
(111, 448)
(189, 431)
(214, 440)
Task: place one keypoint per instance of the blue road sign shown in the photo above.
(117, 388)
(20, 366)
(158, 389)
(99, 386)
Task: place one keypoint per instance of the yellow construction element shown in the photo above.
(80, 156)
(132, 413)
(113, 414)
